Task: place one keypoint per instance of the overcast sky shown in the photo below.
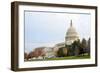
(49, 28)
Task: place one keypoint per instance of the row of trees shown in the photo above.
(77, 48)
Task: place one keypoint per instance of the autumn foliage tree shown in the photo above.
(38, 52)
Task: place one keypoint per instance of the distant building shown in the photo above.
(59, 45)
(49, 52)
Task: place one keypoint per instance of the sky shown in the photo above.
(49, 28)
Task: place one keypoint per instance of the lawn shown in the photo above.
(63, 58)
(68, 58)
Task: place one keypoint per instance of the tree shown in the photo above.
(88, 47)
(65, 51)
(84, 43)
(40, 52)
(89, 43)
(83, 48)
(62, 52)
(30, 55)
(76, 48)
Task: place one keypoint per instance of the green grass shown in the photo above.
(70, 57)
(63, 58)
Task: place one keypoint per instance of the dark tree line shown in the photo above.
(77, 48)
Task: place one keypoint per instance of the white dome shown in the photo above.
(71, 32)
(71, 35)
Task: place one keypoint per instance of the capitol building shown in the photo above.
(51, 52)
(70, 37)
